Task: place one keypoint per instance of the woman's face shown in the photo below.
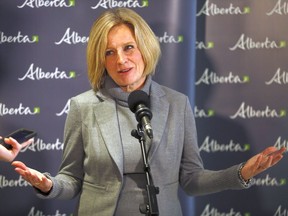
(123, 59)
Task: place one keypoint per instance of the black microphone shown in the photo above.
(139, 104)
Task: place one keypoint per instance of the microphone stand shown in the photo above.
(150, 208)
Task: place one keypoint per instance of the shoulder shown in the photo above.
(167, 93)
(85, 101)
(89, 96)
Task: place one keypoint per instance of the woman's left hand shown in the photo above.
(262, 161)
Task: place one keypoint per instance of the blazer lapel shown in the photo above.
(107, 121)
(160, 109)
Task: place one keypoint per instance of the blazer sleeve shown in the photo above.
(194, 178)
(67, 183)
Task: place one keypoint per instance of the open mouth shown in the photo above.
(125, 70)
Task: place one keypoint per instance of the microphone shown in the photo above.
(139, 103)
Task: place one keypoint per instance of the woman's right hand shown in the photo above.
(34, 177)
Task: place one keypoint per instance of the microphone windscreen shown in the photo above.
(138, 97)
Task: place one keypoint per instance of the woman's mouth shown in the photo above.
(125, 70)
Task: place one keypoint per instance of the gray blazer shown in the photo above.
(92, 165)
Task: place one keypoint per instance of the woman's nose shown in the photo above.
(122, 58)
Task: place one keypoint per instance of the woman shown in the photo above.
(101, 160)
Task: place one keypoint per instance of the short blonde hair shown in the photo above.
(146, 40)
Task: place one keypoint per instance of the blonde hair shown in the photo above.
(97, 44)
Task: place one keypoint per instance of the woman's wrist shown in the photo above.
(49, 188)
(246, 182)
(45, 191)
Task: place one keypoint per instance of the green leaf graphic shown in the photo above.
(36, 110)
(247, 10)
(72, 74)
(145, 3)
(35, 38)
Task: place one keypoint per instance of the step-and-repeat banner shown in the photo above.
(241, 98)
(228, 56)
(43, 64)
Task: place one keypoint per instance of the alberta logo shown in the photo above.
(35, 212)
(72, 37)
(281, 211)
(247, 43)
(280, 142)
(280, 8)
(211, 211)
(268, 181)
(280, 77)
(212, 146)
(47, 3)
(38, 74)
(210, 78)
(39, 145)
(248, 112)
(20, 110)
(9, 183)
(115, 3)
(19, 38)
(211, 9)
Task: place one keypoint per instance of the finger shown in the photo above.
(269, 150)
(36, 180)
(266, 163)
(45, 185)
(276, 159)
(21, 172)
(27, 143)
(11, 141)
(258, 161)
(30, 176)
(276, 152)
(277, 155)
(281, 151)
(25, 174)
(251, 167)
(19, 164)
(39, 180)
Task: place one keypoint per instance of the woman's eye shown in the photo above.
(128, 47)
(108, 53)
